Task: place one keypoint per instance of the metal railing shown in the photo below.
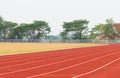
(61, 40)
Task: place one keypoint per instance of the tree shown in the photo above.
(5, 28)
(74, 29)
(104, 30)
(1, 21)
(18, 32)
(34, 30)
(117, 27)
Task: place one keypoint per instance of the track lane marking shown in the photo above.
(52, 63)
(96, 69)
(53, 50)
(83, 48)
(43, 56)
(72, 66)
(52, 58)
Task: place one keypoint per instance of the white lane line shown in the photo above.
(71, 66)
(53, 59)
(96, 69)
(50, 59)
(46, 53)
(51, 55)
(54, 50)
(58, 50)
(20, 70)
(48, 50)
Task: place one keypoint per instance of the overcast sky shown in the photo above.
(55, 12)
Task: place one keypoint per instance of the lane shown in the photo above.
(47, 57)
(31, 65)
(110, 71)
(97, 69)
(80, 69)
(62, 65)
(43, 54)
(85, 56)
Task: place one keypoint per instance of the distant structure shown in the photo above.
(117, 26)
(116, 36)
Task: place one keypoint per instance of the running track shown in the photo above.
(91, 62)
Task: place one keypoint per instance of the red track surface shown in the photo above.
(92, 62)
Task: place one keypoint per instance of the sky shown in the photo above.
(55, 12)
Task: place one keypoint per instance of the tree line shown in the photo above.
(76, 30)
(35, 30)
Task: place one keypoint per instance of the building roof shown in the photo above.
(117, 26)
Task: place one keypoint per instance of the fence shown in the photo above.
(60, 40)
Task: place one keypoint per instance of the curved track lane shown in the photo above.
(91, 62)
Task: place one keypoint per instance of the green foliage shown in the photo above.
(64, 35)
(76, 30)
(106, 30)
(5, 28)
(77, 27)
(35, 30)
